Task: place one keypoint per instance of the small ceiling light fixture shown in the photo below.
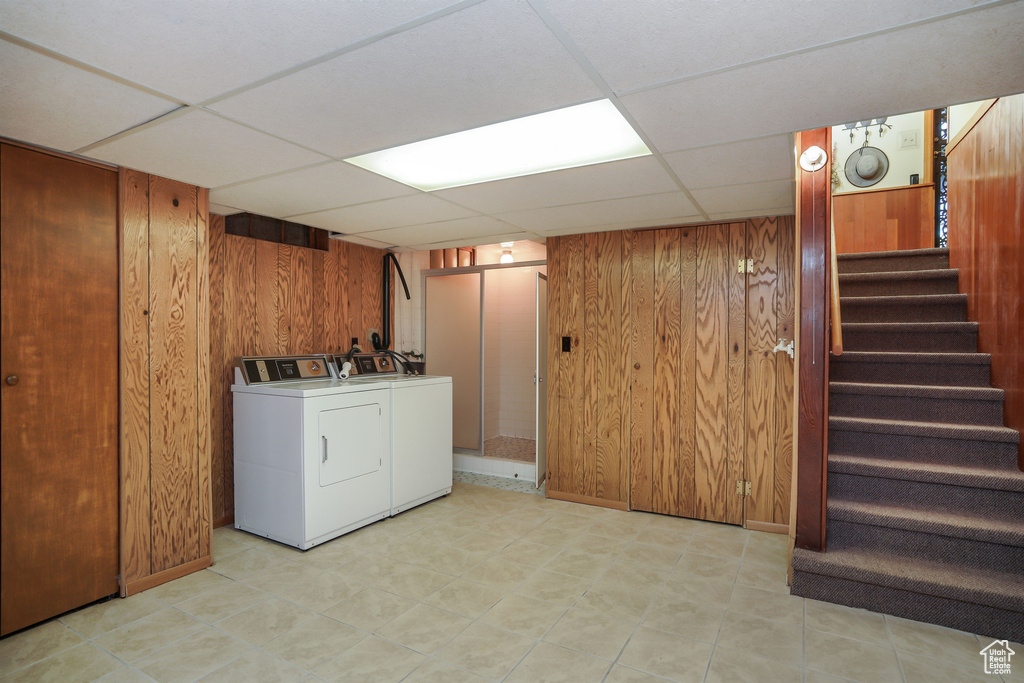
(584, 134)
(506, 252)
(813, 158)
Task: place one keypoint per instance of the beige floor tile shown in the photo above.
(187, 587)
(467, 598)
(321, 591)
(763, 577)
(503, 575)
(147, 635)
(29, 647)
(256, 665)
(553, 587)
(486, 650)
(655, 556)
(707, 566)
(737, 666)
(98, 619)
(222, 602)
(687, 619)
(84, 662)
(656, 521)
(246, 563)
(755, 602)
(771, 639)
(369, 568)
(225, 546)
(718, 547)
(667, 538)
(330, 556)
(281, 576)
(527, 553)
(627, 574)
(600, 546)
(479, 542)
(193, 657)
(851, 659)
(622, 530)
(697, 589)
(552, 535)
(471, 520)
(935, 641)
(125, 675)
(451, 560)
(667, 655)
(771, 556)
(437, 671)
(818, 677)
(845, 621)
(264, 621)
(623, 674)
(548, 663)
(407, 549)
(423, 628)
(509, 525)
(414, 582)
(279, 550)
(929, 669)
(614, 601)
(443, 534)
(372, 659)
(523, 615)
(569, 522)
(728, 532)
(406, 524)
(577, 563)
(370, 609)
(314, 642)
(594, 634)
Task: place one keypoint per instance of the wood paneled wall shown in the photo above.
(660, 402)
(165, 378)
(267, 299)
(885, 220)
(986, 242)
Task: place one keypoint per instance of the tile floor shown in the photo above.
(489, 584)
(494, 482)
(511, 448)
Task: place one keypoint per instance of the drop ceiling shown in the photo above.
(260, 101)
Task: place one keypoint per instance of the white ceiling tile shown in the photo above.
(774, 194)
(388, 213)
(747, 161)
(357, 239)
(47, 102)
(593, 215)
(200, 48)
(490, 62)
(751, 213)
(625, 178)
(667, 222)
(852, 81)
(222, 210)
(462, 230)
(635, 43)
(325, 186)
(203, 149)
(477, 242)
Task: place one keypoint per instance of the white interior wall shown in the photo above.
(959, 115)
(903, 161)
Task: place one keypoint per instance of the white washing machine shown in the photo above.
(312, 452)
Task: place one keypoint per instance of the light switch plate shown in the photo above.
(909, 138)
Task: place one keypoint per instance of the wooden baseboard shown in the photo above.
(587, 500)
(154, 580)
(767, 526)
(224, 521)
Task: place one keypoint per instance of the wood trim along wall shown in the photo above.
(60, 155)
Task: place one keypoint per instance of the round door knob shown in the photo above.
(12, 380)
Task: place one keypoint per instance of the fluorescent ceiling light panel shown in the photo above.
(581, 135)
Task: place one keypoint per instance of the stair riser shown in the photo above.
(922, 342)
(953, 452)
(844, 535)
(856, 312)
(889, 264)
(935, 374)
(916, 409)
(934, 285)
(986, 621)
(1006, 506)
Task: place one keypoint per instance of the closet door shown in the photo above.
(59, 407)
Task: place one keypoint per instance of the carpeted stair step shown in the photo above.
(944, 337)
(853, 437)
(978, 601)
(916, 308)
(900, 283)
(966, 405)
(1005, 478)
(891, 261)
(894, 367)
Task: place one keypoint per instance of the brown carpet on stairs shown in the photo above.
(925, 501)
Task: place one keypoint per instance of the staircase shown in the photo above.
(925, 513)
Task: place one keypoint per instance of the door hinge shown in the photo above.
(742, 488)
(745, 266)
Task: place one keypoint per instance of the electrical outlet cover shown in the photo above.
(909, 138)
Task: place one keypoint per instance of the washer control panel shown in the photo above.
(373, 363)
(258, 370)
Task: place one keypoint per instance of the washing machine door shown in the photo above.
(350, 444)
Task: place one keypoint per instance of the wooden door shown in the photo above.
(58, 229)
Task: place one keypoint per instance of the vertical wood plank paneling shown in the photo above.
(737, 369)
(712, 374)
(287, 280)
(267, 300)
(216, 260)
(625, 361)
(173, 386)
(135, 513)
(687, 369)
(884, 220)
(354, 267)
(761, 339)
(571, 372)
(555, 289)
(300, 301)
(642, 397)
(319, 303)
(606, 339)
(202, 361)
(588, 458)
(371, 294)
(667, 377)
(786, 292)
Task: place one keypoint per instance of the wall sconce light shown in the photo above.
(506, 252)
(813, 158)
